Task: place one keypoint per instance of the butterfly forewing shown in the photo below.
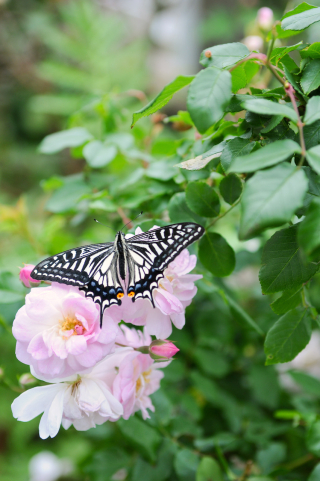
(151, 252)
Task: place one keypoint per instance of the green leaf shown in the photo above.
(264, 385)
(180, 212)
(288, 336)
(98, 154)
(313, 438)
(312, 110)
(300, 21)
(270, 198)
(159, 471)
(309, 384)
(243, 74)
(162, 170)
(290, 299)
(211, 362)
(225, 55)
(202, 199)
(274, 121)
(66, 138)
(313, 51)
(208, 96)
(66, 198)
(315, 475)
(279, 52)
(6, 296)
(283, 266)
(186, 464)
(216, 255)
(235, 148)
(269, 155)
(230, 188)
(310, 79)
(141, 436)
(267, 107)
(202, 160)
(312, 134)
(162, 98)
(270, 456)
(309, 230)
(209, 470)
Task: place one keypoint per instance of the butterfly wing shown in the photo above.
(151, 252)
(92, 268)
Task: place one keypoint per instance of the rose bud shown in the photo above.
(25, 275)
(162, 350)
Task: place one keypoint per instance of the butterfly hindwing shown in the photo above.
(151, 252)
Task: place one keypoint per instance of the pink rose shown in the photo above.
(58, 331)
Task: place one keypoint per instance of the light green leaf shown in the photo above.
(267, 107)
(313, 51)
(235, 148)
(202, 199)
(279, 52)
(162, 98)
(230, 188)
(309, 230)
(186, 464)
(202, 160)
(208, 96)
(315, 475)
(66, 138)
(289, 335)
(225, 55)
(209, 470)
(98, 154)
(290, 299)
(243, 74)
(313, 158)
(216, 255)
(66, 198)
(300, 21)
(308, 383)
(161, 170)
(310, 79)
(283, 266)
(313, 438)
(180, 212)
(140, 435)
(271, 154)
(312, 110)
(270, 198)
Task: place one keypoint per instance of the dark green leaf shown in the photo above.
(263, 203)
(163, 97)
(141, 436)
(211, 362)
(315, 475)
(270, 456)
(290, 299)
(267, 107)
(299, 21)
(216, 254)
(180, 212)
(288, 336)
(159, 471)
(312, 134)
(209, 94)
(313, 51)
(264, 385)
(308, 383)
(209, 470)
(235, 148)
(224, 55)
(310, 79)
(186, 464)
(230, 188)
(313, 158)
(274, 121)
(66, 138)
(202, 199)
(98, 154)
(309, 230)
(313, 438)
(312, 110)
(283, 266)
(269, 155)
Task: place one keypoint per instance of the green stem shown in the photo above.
(242, 313)
(224, 213)
(224, 463)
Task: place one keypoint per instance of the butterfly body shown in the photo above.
(135, 265)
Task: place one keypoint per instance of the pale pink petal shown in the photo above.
(167, 302)
(76, 345)
(33, 402)
(37, 348)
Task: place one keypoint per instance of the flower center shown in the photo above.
(72, 324)
(144, 378)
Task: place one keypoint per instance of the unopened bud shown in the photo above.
(25, 276)
(26, 379)
(162, 350)
(208, 54)
(265, 18)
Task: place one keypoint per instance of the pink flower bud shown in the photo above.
(25, 276)
(161, 350)
(253, 42)
(26, 379)
(265, 18)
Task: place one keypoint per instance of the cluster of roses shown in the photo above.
(95, 374)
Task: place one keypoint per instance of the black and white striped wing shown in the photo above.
(92, 268)
(151, 252)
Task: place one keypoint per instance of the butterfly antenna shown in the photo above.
(131, 220)
(103, 224)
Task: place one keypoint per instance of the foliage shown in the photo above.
(254, 171)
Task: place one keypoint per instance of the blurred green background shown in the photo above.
(90, 64)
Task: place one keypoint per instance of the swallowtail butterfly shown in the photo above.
(138, 261)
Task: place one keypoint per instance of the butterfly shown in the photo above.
(97, 269)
